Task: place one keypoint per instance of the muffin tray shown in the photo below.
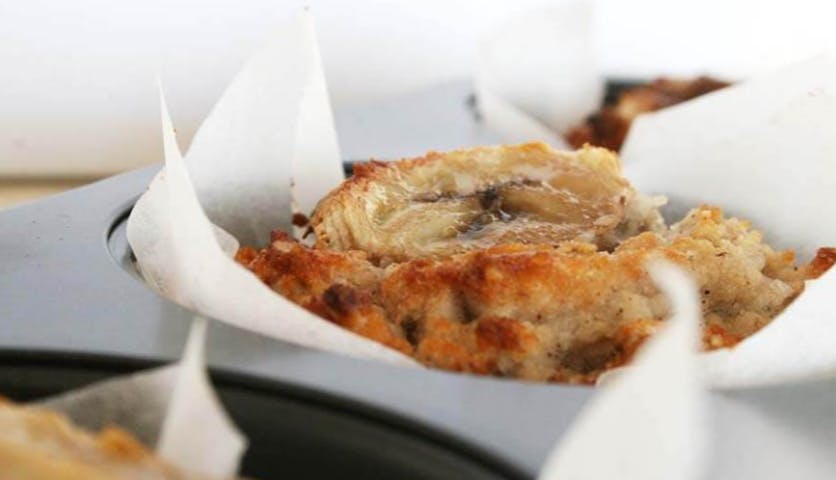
(73, 310)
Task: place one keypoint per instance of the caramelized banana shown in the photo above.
(447, 203)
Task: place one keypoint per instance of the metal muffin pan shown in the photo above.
(73, 310)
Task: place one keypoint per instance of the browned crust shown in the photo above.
(824, 259)
(540, 312)
(337, 286)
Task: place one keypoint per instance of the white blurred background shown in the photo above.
(77, 88)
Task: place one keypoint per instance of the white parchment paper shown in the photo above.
(764, 149)
(196, 433)
(173, 407)
(274, 119)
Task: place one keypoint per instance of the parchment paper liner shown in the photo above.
(172, 408)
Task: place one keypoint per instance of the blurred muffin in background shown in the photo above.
(609, 126)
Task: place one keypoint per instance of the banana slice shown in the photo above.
(446, 203)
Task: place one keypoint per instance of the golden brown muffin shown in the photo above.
(609, 126)
(37, 444)
(552, 287)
